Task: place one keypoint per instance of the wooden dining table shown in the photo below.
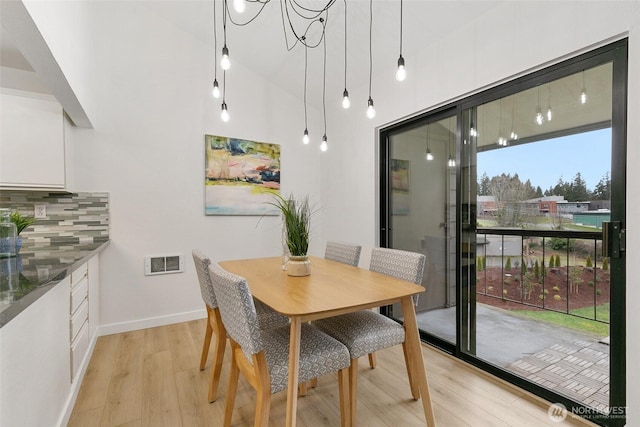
(332, 289)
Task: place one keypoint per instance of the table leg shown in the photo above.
(294, 361)
(416, 362)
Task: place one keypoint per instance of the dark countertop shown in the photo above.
(35, 271)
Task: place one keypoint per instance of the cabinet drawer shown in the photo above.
(78, 293)
(79, 348)
(78, 319)
(78, 274)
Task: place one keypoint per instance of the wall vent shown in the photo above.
(163, 264)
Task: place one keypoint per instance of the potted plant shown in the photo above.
(296, 217)
(21, 222)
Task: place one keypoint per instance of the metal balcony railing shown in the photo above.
(561, 271)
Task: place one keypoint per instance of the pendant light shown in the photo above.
(539, 116)
(401, 72)
(305, 135)
(239, 5)
(513, 135)
(346, 103)
(502, 141)
(428, 155)
(452, 161)
(549, 112)
(583, 92)
(371, 111)
(216, 88)
(225, 63)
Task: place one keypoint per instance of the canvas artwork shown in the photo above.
(400, 186)
(241, 176)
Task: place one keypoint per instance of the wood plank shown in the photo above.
(463, 396)
(159, 394)
(125, 388)
(95, 385)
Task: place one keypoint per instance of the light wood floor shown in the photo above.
(151, 378)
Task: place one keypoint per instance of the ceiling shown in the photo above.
(261, 46)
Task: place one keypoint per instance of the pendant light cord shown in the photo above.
(400, 27)
(324, 83)
(370, 43)
(305, 86)
(215, 43)
(345, 44)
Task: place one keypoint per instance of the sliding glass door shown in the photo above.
(422, 213)
(517, 197)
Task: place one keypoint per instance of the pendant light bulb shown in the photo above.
(429, 156)
(225, 63)
(324, 146)
(346, 103)
(539, 117)
(239, 5)
(371, 112)
(401, 72)
(473, 131)
(513, 135)
(224, 115)
(583, 96)
(305, 137)
(549, 114)
(216, 89)
(451, 162)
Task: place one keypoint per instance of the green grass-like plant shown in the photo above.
(296, 215)
(21, 221)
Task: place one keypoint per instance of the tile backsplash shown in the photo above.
(72, 218)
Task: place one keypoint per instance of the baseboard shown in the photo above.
(151, 322)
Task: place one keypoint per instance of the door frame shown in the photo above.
(616, 53)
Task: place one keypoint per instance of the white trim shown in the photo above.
(151, 322)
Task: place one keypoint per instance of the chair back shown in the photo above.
(403, 265)
(237, 309)
(202, 263)
(345, 253)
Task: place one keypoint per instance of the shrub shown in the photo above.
(507, 265)
(543, 269)
(536, 270)
(598, 292)
(605, 264)
(561, 244)
(546, 292)
(588, 262)
(552, 261)
(557, 260)
(557, 297)
(541, 296)
(556, 289)
(590, 284)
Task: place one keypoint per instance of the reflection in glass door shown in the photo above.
(422, 215)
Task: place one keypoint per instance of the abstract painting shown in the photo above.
(241, 176)
(400, 187)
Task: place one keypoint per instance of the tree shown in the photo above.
(509, 193)
(536, 270)
(588, 262)
(507, 265)
(602, 190)
(577, 190)
(483, 185)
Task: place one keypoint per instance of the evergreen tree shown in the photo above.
(536, 270)
(507, 265)
(483, 185)
(588, 262)
(605, 264)
(602, 189)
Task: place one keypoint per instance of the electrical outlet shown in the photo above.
(40, 211)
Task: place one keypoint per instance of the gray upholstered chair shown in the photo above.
(262, 355)
(365, 332)
(345, 253)
(268, 319)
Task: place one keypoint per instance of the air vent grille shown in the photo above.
(163, 264)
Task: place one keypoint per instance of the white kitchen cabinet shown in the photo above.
(32, 149)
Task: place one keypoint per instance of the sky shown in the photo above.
(544, 162)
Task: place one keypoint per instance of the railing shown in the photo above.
(561, 271)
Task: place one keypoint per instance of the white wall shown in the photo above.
(509, 40)
(149, 86)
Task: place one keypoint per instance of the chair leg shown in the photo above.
(415, 392)
(302, 389)
(218, 355)
(263, 390)
(231, 392)
(313, 383)
(353, 390)
(345, 403)
(372, 360)
(207, 341)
